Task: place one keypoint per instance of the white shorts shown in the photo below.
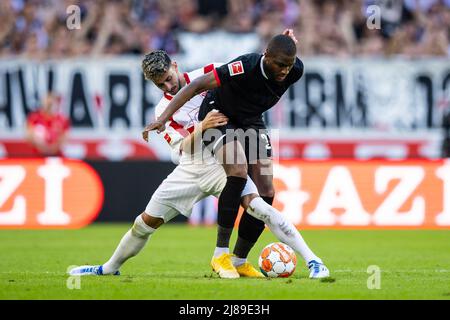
(187, 185)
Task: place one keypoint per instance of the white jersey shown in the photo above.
(191, 181)
(183, 121)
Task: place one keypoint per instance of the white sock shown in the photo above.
(238, 261)
(283, 229)
(220, 251)
(132, 242)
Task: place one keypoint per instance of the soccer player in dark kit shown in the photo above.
(243, 90)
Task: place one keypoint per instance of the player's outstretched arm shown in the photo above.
(203, 83)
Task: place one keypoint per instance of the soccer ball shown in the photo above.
(277, 260)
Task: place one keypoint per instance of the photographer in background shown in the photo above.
(47, 128)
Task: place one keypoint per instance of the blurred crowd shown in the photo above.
(37, 29)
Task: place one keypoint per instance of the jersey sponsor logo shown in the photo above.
(236, 68)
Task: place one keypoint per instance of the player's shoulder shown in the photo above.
(241, 66)
(162, 104)
(253, 56)
(249, 59)
(298, 70)
(189, 76)
(299, 64)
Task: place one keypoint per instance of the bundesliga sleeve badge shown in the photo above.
(236, 68)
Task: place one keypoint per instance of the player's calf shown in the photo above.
(286, 232)
(151, 221)
(130, 245)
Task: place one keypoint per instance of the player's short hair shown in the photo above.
(155, 64)
(282, 44)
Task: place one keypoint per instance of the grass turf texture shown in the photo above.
(175, 265)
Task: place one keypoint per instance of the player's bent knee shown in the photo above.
(245, 200)
(266, 188)
(151, 221)
(141, 228)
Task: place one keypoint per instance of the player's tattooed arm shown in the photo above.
(192, 143)
(206, 82)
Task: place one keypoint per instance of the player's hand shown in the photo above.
(159, 126)
(290, 33)
(214, 119)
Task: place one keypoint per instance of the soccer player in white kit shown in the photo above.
(197, 176)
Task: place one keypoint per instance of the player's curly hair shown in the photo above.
(155, 64)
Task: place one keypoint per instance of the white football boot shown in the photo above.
(89, 271)
(317, 270)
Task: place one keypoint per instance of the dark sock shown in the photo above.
(250, 229)
(223, 237)
(229, 202)
(242, 247)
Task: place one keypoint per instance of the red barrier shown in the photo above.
(48, 193)
(364, 194)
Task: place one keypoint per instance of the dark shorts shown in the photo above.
(253, 136)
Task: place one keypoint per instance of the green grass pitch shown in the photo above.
(414, 264)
